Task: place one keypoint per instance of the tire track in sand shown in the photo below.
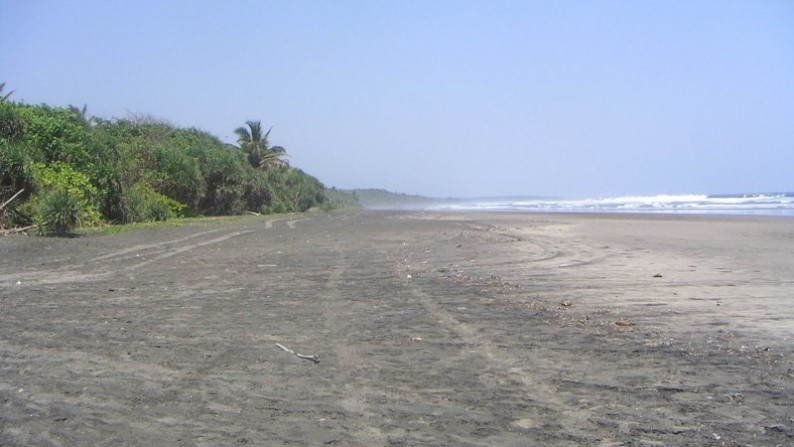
(354, 403)
(61, 275)
(186, 248)
(544, 405)
(144, 247)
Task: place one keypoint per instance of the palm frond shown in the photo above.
(243, 135)
(7, 95)
(81, 113)
(256, 130)
(260, 154)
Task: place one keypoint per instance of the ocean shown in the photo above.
(764, 204)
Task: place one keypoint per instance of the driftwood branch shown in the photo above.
(312, 358)
(12, 198)
(17, 230)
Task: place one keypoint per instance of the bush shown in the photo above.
(277, 206)
(224, 172)
(340, 199)
(178, 176)
(12, 126)
(292, 190)
(59, 213)
(16, 171)
(63, 176)
(57, 133)
(141, 203)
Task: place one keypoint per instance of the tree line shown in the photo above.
(64, 169)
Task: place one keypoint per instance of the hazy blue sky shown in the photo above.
(444, 98)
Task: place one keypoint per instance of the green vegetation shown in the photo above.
(77, 170)
(342, 199)
(178, 222)
(382, 199)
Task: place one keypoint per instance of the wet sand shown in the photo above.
(430, 329)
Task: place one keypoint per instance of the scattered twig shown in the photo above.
(312, 358)
(12, 198)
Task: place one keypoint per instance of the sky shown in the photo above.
(572, 99)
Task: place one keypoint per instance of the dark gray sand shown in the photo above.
(431, 329)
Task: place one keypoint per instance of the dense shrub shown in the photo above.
(178, 175)
(292, 190)
(59, 213)
(141, 203)
(62, 176)
(57, 134)
(12, 126)
(337, 198)
(16, 170)
(257, 192)
(16, 173)
(225, 171)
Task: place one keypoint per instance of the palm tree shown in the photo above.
(82, 114)
(260, 154)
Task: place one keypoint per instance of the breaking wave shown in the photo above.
(776, 204)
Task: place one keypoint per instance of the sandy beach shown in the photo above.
(413, 329)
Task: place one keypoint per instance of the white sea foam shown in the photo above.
(781, 204)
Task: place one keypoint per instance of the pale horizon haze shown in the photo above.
(442, 98)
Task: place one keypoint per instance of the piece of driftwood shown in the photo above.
(312, 358)
(17, 230)
(12, 198)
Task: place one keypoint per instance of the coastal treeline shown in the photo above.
(63, 169)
